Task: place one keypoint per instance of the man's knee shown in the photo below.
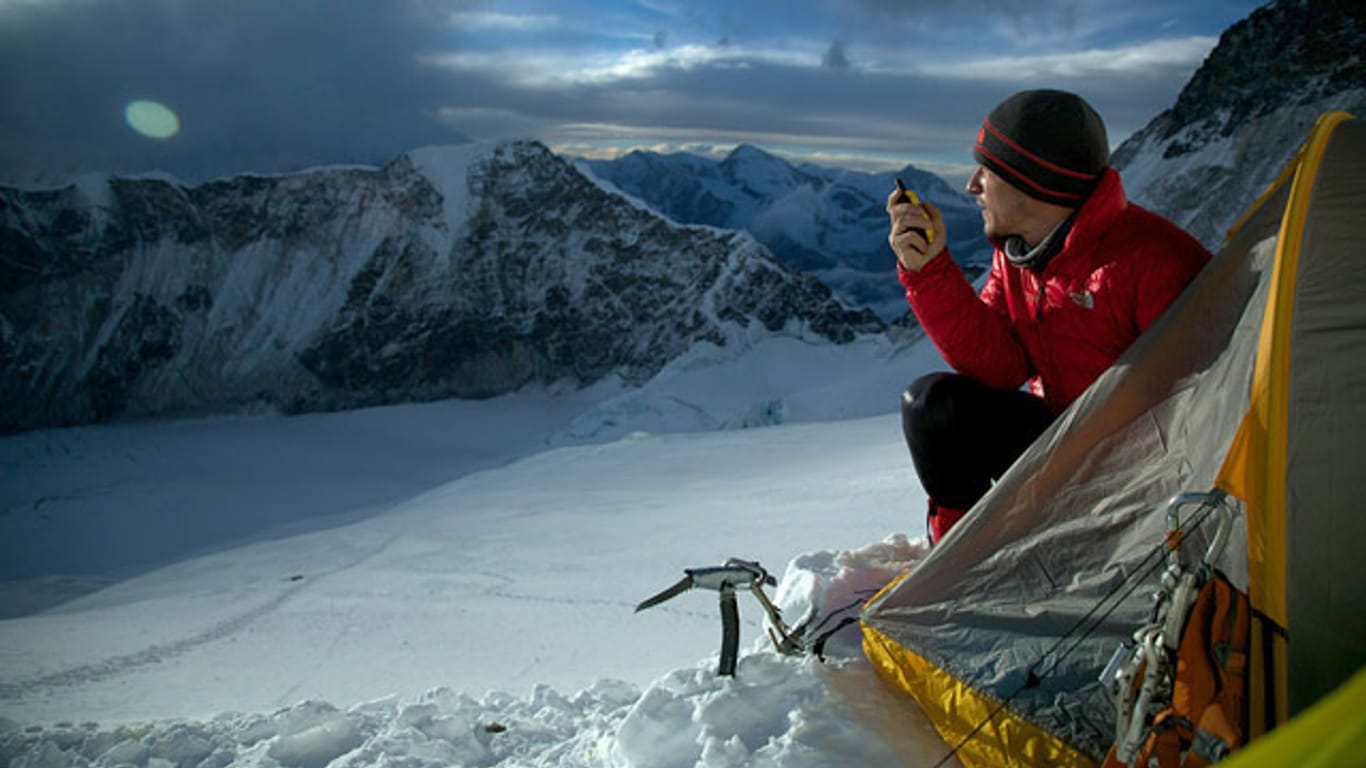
(926, 391)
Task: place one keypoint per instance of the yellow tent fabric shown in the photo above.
(1250, 469)
(1330, 734)
(1255, 468)
(998, 737)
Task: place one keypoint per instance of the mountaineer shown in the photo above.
(1078, 273)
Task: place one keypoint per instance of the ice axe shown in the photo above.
(725, 579)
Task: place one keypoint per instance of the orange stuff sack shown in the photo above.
(1206, 718)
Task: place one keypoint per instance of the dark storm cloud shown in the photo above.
(754, 98)
(275, 85)
(257, 84)
(1007, 9)
(835, 57)
(899, 77)
(804, 105)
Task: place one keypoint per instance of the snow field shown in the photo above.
(468, 573)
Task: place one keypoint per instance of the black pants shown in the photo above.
(963, 435)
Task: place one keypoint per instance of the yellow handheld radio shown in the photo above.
(909, 196)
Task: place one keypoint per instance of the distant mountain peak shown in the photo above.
(750, 152)
(743, 149)
(827, 222)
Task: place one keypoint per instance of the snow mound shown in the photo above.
(778, 711)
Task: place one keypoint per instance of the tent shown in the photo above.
(1327, 735)
(1253, 383)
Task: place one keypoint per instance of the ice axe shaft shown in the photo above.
(730, 632)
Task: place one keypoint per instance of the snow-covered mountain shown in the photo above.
(823, 221)
(464, 271)
(1245, 111)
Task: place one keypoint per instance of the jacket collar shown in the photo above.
(1104, 205)
(1100, 210)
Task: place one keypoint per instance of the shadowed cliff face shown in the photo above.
(459, 272)
(1246, 111)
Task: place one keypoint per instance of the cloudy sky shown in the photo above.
(204, 88)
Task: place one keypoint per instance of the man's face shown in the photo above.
(1005, 209)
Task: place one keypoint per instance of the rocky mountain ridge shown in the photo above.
(442, 274)
(1245, 111)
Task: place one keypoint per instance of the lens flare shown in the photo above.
(153, 120)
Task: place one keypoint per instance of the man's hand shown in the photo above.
(907, 237)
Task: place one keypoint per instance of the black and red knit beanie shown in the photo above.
(1051, 145)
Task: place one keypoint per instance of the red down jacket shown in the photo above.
(1119, 269)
